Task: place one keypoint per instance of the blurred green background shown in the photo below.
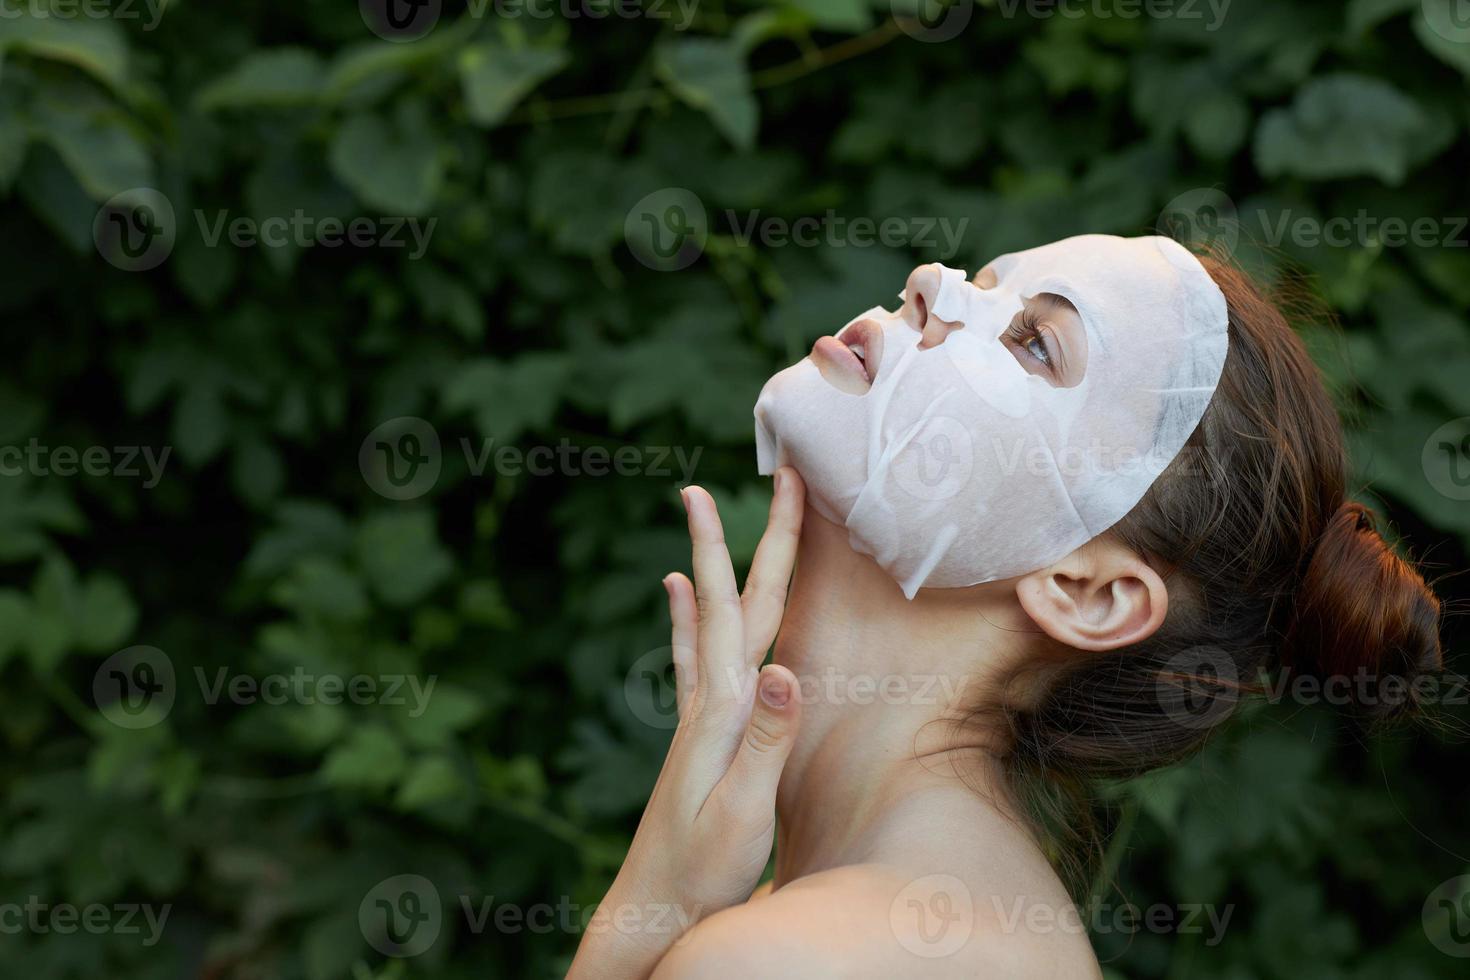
(588, 286)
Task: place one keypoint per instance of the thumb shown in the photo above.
(769, 736)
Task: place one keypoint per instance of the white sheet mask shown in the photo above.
(958, 466)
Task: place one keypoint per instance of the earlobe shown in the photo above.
(1096, 601)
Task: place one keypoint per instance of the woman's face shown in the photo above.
(1046, 336)
(991, 425)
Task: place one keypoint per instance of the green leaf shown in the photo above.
(392, 165)
(15, 618)
(201, 423)
(204, 272)
(447, 299)
(320, 586)
(333, 947)
(482, 601)
(1346, 125)
(52, 623)
(302, 528)
(433, 780)
(495, 77)
(94, 138)
(710, 75)
(53, 193)
(401, 556)
(444, 710)
(371, 759)
(508, 399)
(96, 45)
(13, 146)
(361, 73)
(271, 77)
(106, 614)
(1364, 15)
(851, 16)
(581, 199)
(1219, 124)
(257, 472)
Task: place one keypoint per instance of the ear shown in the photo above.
(1100, 597)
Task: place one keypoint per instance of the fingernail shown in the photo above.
(774, 690)
(667, 587)
(777, 481)
(684, 496)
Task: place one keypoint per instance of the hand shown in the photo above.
(706, 833)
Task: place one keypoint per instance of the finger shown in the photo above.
(685, 618)
(749, 787)
(764, 599)
(719, 649)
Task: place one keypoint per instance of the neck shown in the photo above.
(883, 679)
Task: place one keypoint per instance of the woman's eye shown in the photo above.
(1037, 349)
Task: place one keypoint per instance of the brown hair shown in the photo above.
(1268, 565)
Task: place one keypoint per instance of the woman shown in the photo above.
(942, 685)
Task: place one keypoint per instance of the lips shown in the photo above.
(865, 339)
(852, 359)
(835, 354)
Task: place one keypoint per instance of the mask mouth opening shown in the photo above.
(864, 338)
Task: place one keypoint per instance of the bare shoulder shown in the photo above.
(874, 921)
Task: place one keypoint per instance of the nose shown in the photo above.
(919, 293)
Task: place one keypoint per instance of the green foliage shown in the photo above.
(518, 599)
